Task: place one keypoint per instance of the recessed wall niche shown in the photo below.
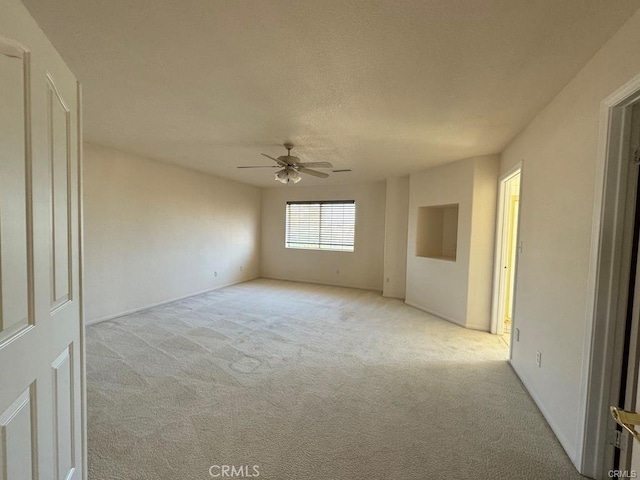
(437, 232)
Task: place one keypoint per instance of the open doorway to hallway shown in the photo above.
(506, 255)
(625, 452)
(611, 367)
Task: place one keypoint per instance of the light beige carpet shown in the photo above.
(307, 383)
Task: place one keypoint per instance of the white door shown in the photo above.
(512, 209)
(41, 357)
(506, 255)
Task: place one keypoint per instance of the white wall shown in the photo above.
(362, 268)
(155, 232)
(395, 237)
(483, 232)
(558, 150)
(460, 290)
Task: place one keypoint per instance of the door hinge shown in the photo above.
(636, 156)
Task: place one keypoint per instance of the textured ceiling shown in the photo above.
(382, 87)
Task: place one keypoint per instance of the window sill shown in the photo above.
(320, 249)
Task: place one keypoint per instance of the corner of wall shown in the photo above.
(483, 227)
(395, 238)
(260, 270)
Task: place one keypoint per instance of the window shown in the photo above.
(321, 225)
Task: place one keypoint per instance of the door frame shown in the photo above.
(83, 343)
(502, 219)
(602, 362)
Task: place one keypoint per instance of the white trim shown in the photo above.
(343, 285)
(598, 343)
(497, 259)
(82, 343)
(460, 323)
(496, 308)
(164, 302)
(515, 169)
(437, 314)
(12, 48)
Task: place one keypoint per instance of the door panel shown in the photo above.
(59, 127)
(41, 359)
(63, 413)
(14, 198)
(17, 438)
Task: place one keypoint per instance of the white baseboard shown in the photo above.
(164, 302)
(397, 297)
(358, 287)
(481, 328)
(564, 441)
(471, 326)
(436, 314)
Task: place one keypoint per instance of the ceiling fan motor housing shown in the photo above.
(292, 168)
(290, 160)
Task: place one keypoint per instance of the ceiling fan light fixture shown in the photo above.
(294, 176)
(288, 175)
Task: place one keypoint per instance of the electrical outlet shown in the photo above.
(539, 358)
(517, 334)
(215, 274)
(387, 279)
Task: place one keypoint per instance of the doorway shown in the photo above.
(611, 367)
(506, 255)
(625, 451)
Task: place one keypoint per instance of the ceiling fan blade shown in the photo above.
(261, 166)
(316, 164)
(278, 161)
(312, 172)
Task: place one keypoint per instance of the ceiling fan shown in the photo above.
(292, 167)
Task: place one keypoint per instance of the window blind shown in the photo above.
(328, 225)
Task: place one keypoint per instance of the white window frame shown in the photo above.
(290, 243)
